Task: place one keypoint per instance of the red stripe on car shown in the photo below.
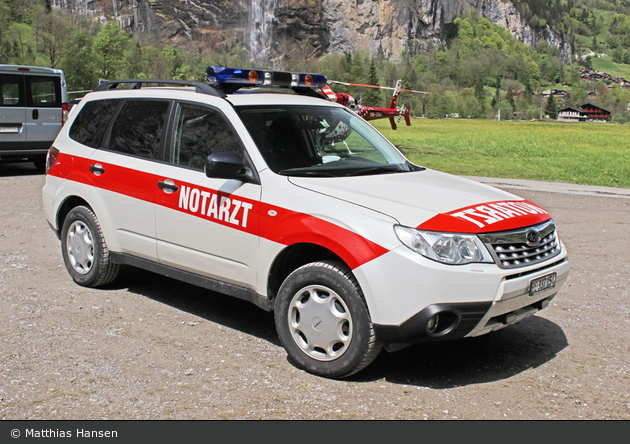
(286, 227)
(488, 217)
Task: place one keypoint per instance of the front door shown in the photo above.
(205, 225)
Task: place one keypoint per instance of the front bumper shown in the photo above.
(456, 321)
(470, 302)
(516, 304)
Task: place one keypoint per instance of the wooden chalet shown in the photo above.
(571, 114)
(595, 113)
(585, 113)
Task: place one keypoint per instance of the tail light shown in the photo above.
(51, 158)
(64, 113)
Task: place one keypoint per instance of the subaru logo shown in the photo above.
(533, 238)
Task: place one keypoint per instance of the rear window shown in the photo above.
(11, 87)
(90, 124)
(43, 91)
(139, 128)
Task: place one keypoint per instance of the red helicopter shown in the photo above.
(369, 112)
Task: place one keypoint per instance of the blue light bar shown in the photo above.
(260, 77)
(219, 74)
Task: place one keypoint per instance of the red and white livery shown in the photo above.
(352, 246)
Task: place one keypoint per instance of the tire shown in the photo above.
(84, 250)
(323, 321)
(40, 163)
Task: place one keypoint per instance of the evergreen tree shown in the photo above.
(509, 98)
(372, 96)
(480, 95)
(551, 108)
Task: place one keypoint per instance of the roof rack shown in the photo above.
(200, 87)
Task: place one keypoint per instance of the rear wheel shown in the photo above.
(40, 163)
(323, 322)
(84, 250)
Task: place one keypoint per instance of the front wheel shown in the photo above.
(84, 250)
(323, 322)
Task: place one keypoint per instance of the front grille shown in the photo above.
(512, 249)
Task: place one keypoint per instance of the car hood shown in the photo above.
(431, 200)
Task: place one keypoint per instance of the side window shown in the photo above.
(43, 91)
(139, 128)
(200, 131)
(92, 120)
(11, 90)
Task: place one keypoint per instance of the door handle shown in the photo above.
(35, 114)
(97, 169)
(168, 186)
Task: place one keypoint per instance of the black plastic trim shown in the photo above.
(462, 319)
(24, 149)
(525, 273)
(194, 279)
(57, 233)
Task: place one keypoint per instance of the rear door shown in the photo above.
(43, 109)
(124, 170)
(12, 112)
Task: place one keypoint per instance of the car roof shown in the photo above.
(243, 97)
(254, 97)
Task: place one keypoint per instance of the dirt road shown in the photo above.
(149, 347)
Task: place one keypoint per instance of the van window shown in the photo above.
(139, 128)
(11, 90)
(43, 91)
(90, 124)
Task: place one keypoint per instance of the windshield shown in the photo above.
(319, 141)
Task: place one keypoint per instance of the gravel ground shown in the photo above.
(148, 347)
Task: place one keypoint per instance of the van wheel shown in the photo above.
(40, 163)
(323, 322)
(84, 250)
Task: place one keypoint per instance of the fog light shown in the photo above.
(509, 318)
(432, 324)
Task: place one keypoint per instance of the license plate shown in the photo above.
(542, 283)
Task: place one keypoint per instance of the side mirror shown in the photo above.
(228, 165)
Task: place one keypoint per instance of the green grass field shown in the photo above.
(580, 153)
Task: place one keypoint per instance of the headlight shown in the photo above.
(448, 248)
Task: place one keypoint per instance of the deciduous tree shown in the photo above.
(109, 48)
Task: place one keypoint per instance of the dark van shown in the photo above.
(33, 108)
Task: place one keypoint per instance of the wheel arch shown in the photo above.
(292, 258)
(66, 206)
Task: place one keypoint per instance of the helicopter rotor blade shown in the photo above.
(335, 82)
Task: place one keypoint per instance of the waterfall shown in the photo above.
(262, 19)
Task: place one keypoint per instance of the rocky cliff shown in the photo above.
(272, 29)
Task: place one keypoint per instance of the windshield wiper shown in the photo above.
(382, 169)
(308, 173)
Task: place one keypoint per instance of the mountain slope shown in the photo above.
(272, 29)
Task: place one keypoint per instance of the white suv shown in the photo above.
(298, 205)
